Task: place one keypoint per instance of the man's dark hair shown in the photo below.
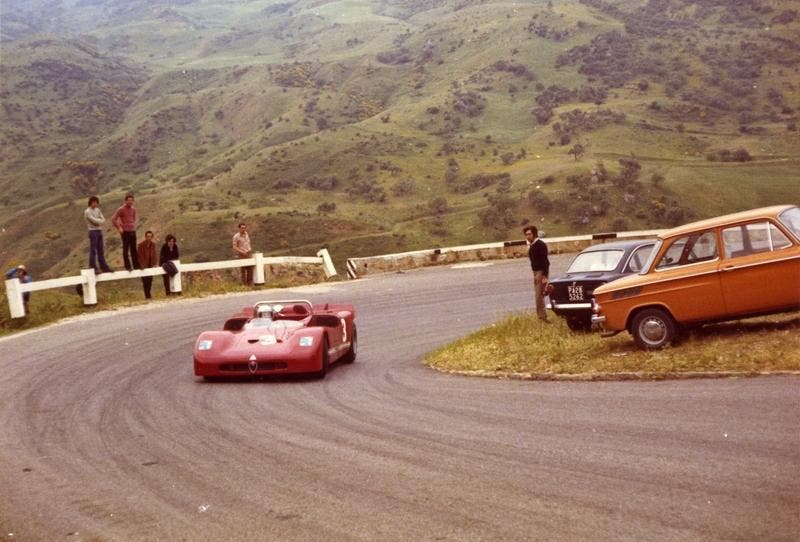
(149, 231)
(129, 195)
(242, 224)
(93, 198)
(532, 229)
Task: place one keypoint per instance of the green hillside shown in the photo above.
(383, 126)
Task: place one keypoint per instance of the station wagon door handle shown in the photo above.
(730, 267)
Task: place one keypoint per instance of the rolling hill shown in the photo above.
(388, 125)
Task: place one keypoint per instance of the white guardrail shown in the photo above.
(88, 279)
(388, 263)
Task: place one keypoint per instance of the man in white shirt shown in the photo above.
(242, 249)
(95, 220)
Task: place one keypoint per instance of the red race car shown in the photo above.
(278, 337)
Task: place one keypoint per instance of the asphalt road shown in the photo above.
(107, 435)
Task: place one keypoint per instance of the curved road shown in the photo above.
(107, 435)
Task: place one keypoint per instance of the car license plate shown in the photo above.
(575, 293)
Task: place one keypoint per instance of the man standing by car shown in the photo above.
(540, 264)
(242, 249)
(124, 219)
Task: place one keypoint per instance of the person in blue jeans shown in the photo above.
(24, 277)
(95, 220)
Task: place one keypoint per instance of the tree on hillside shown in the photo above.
(500, 213)
(577, 151)
(86, 177)
(630, 171)
(438, 205)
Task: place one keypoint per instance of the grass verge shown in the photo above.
(521, 346)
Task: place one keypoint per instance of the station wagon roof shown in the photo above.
(752, 214)
(618, 245)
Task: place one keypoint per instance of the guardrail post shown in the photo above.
(327, 263)
(15, 303)
(258, 275)
(175, 285)
(89, 287)
(351, 269)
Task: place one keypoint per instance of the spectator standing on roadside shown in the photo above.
(146, 252)
(22, 274)
(95, 220)
(169, 252)
(540, 264)
(124, 219)
(242, 249)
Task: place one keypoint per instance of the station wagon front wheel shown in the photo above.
(653, 329)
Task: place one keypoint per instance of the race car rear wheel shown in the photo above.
(350, 356)
(325, 359)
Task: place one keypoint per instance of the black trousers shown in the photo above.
(147, 283)
(166, 284)
(129, 247)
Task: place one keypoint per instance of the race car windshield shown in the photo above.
(268, 323)
(596, 260)
(258, 323)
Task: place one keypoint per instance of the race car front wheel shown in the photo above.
(350, 356)
(325, 359)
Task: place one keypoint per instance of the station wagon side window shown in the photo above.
(693, 248)
(753, 238)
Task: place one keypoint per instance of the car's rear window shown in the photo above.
(596, 260)
(791, 219)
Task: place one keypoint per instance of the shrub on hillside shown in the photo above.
(322, 183)
(438, 205)
(326, 207)
(368, 190)
(726, 155)
(397, 56)
(539, 201)
(475, 182)
(469, 103)
(517, 69)
(405, 187)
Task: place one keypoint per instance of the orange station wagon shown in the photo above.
(733, 266)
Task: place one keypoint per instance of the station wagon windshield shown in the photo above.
(649, 263)
(597, 260)
(791, 219)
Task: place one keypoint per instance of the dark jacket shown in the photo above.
(537, 252)
(167, 254)
(147, 254)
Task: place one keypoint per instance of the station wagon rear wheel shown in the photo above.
(653, 329)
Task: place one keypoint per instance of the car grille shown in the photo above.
(245, 367)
